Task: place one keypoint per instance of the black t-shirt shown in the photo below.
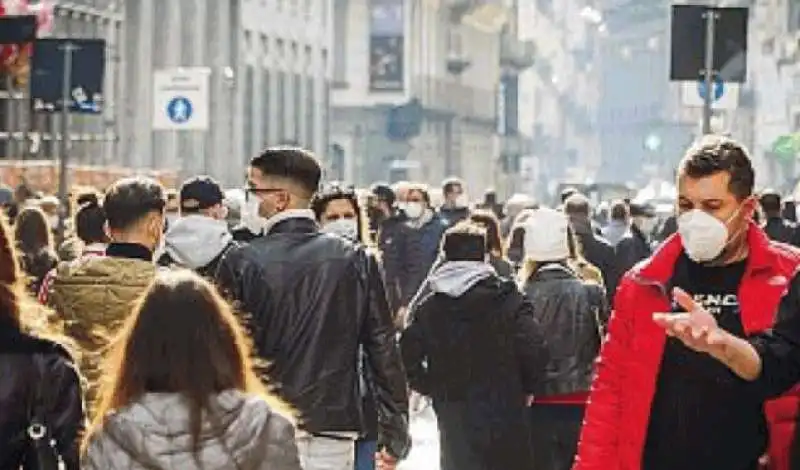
(704, 417)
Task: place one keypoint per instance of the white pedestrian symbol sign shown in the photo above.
(179, 109)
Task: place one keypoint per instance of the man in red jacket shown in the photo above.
(655, 403)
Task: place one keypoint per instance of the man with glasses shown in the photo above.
(313, 300)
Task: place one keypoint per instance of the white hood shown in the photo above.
(195, 240)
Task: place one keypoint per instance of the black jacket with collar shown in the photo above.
(312, 300)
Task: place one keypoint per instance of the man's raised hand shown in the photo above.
(696, 328)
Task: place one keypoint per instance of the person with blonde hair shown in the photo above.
(182, 392)
(572, 314)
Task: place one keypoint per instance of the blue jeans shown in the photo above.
(365, 455)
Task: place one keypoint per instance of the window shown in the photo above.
(297, 107)
(266, 112)
(249, 84)
(280, 119)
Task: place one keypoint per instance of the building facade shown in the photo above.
(559, 94)
(416, 86)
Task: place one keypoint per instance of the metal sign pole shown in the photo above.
(63, 180)
(708, 69)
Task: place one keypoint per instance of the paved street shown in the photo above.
(425, 453)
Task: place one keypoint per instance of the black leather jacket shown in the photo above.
(313, 299)
(567, 310)
(26, 362)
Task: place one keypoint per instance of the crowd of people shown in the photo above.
(299, 327)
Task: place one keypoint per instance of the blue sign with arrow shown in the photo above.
(718, 89)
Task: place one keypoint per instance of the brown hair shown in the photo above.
(181, 338)
(32, 231)
(12, 283)
(489, 222)
(713, 154)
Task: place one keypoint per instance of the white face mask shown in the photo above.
(414, 210)
(251, 220)
(462, 201)
(402, 206)
(704, 236)
(347, 228)
(52, 220)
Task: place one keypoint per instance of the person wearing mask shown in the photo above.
(200, 238)
(183, 392)
(572, 313)
(629, 247)
(37, 374)
(455, 207)
(475, 349)
(494, 245)
(93, 294)
(173, 209)
(420, 248)
(515, 204)
(390, 222)
(50, 206)
(777, 228)
(338, 211)
(656, 403)
(596, 249)
(313, 301)
(35, 245)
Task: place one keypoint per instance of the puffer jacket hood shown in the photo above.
(154, 432)
(196, 240)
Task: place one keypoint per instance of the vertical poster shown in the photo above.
(386, 45)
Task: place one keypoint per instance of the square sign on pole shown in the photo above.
(17, 29)
(729, 41)
(87, 73)
(181, 99)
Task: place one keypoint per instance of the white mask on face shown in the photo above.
(462, 201)
(347, 228)
(703, 235)
(402, 205)
(251, 220)
(414, 210)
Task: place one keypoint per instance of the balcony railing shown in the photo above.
(450, 97)
(515, 53)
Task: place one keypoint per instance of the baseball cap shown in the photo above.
(200, 192)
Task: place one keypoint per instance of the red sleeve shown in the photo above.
(598, 448)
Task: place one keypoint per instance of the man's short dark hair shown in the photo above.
(567, 192)
(129, 200)
(465, 241)
(770, 202)
(713, 154)
(620, 210)
(577, 205)
(450, 184)
(292, 163)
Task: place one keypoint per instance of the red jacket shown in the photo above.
(617, 416)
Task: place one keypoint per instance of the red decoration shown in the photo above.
(15, 58)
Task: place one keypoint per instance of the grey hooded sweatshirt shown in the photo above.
(154, 434)
(195, 241)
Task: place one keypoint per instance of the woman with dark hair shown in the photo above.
(90, 238)
(494, 245)
(35, 242)
(182, 392)
(338, 211)
(39, 384)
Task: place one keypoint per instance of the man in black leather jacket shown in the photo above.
(313, 301)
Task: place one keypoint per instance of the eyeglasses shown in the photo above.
(248, 190)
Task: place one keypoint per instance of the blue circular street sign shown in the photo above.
(179, 109)
(719, 89)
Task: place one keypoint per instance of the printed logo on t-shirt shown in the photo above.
(716, 304)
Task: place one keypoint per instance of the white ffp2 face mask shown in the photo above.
(250, 217)
(414, 210)
(347, 228)
(703, 235)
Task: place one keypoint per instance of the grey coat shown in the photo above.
(153, 434)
